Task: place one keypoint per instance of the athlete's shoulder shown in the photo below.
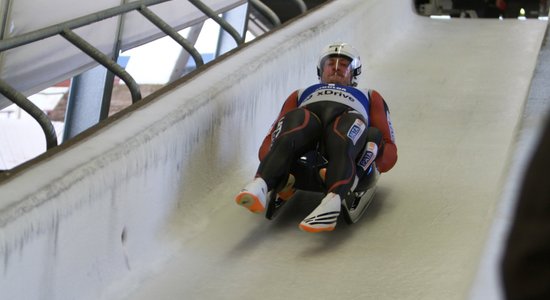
(377, 98)
(292, 100)
(373, 92)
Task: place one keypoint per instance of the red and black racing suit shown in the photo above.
(339, 118)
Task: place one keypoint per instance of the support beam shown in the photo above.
(85, 101)
(180, 66)
(237, 18)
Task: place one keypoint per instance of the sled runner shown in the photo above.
(307, 173)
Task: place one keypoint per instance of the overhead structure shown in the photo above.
(99, 32)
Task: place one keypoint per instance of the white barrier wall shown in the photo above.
(98, 215)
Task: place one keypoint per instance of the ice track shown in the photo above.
(142, 208)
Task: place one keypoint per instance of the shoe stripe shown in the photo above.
(337, 212)
(324, 216)
(323, 223)
(321, 220)
(327, 218)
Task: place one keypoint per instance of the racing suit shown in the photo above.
(339, 120)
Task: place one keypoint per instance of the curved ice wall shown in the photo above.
(84, 221)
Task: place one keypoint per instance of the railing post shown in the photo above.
(264, 9)
(212, 14)
(147, 13)
(105, 61)
(33, 110)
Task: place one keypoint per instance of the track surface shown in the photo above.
(456, 89)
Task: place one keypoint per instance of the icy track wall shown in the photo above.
(97, 216)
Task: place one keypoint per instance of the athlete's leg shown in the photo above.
(373, 148)
(297, 132)
(345, 138)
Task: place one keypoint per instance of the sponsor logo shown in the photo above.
(334, 87)
(364, 163)
(367, 156)
(331, 91)
(335, 93)
(356, 130)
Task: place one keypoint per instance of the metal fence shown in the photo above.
(66, 30)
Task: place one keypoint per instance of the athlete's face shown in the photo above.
(336, 70)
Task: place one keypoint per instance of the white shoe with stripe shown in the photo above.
(324, 216)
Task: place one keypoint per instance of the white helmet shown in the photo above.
(342, 50)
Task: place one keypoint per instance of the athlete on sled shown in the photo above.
(349, 128)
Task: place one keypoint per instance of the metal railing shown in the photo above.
(266, 11)
(271, 16)
(65, 30)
